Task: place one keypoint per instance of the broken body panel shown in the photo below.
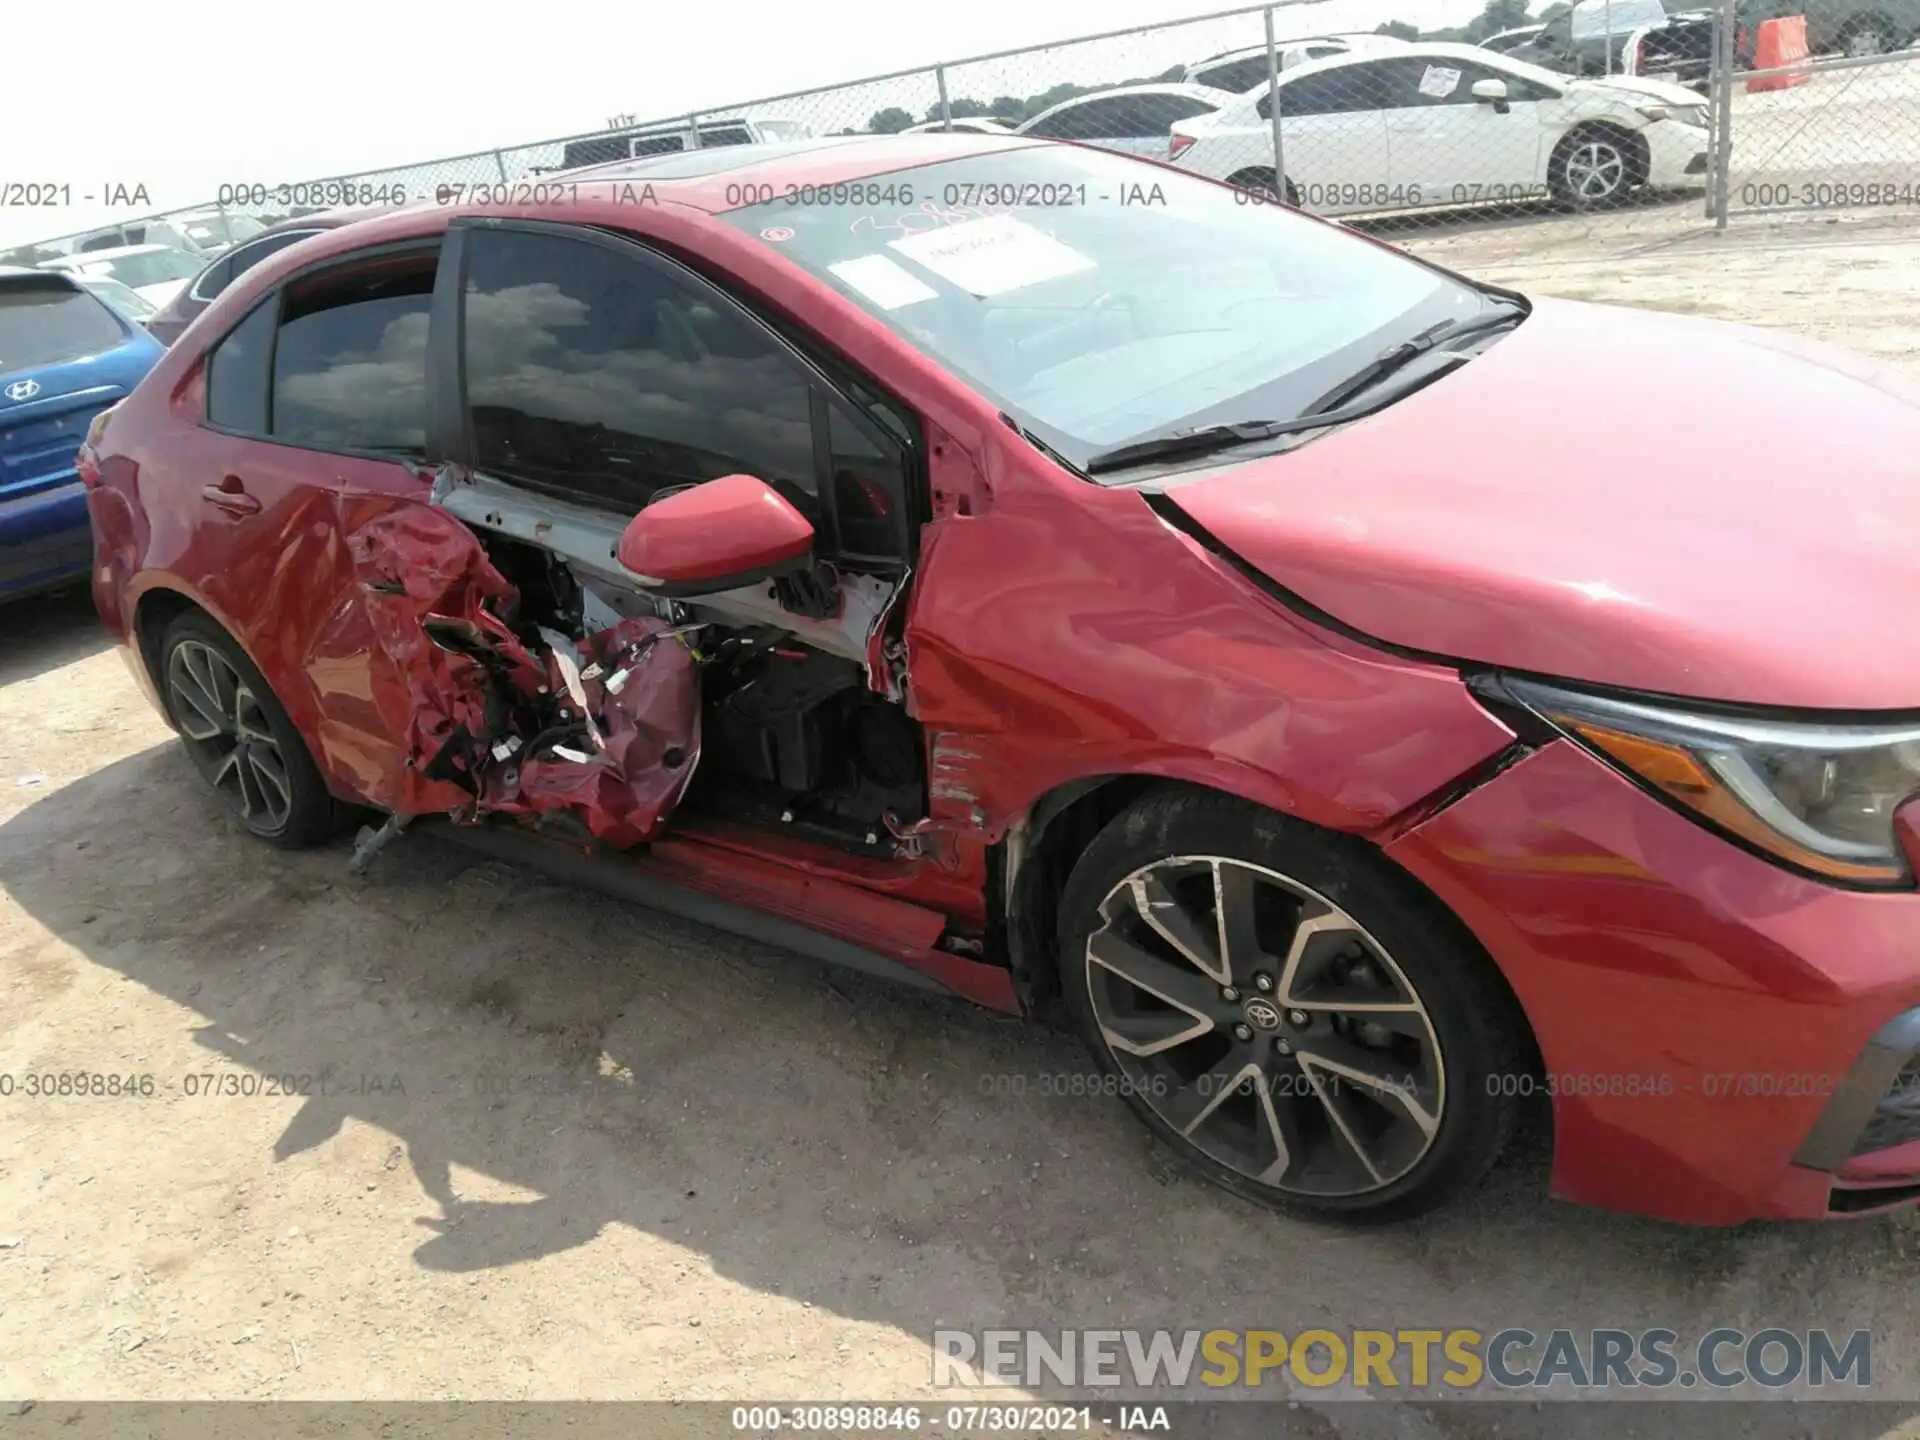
(594, 727)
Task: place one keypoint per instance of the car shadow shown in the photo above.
(43, 632)
(821, 1136)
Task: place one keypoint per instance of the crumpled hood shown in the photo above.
(1639, 88)
(1620, 497)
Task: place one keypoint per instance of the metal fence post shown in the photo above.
(1720, 151)
(500, 164)
(693, 130)
(1608, 22)
(946, 110)
(1273, 110)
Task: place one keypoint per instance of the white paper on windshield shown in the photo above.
(992, 256)
(1439, 82)
(885, 282)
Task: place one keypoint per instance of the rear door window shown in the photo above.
(350, 360)
(47, 321)
(1238, 76)
(336, 361)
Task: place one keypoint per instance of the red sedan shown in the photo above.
(1365, 701)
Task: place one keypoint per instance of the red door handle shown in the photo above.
(231, 496)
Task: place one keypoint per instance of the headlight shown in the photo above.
(1685, 114)
(1819, 796)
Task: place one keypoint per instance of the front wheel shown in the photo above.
(1594, 170)
(1293, 1015)
(240, 739)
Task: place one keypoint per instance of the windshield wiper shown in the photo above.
(1208, 438)
(1330, 409)
(1495, 317)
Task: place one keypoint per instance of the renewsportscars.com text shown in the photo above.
(1770, 1357)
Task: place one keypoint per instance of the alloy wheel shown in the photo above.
(229, 735)
(1266, 1026)
(1865, 42)
(1596, 170)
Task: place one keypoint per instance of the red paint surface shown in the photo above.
(1642, 946)
(735, 525)
(1058, 632)
(1693, 548)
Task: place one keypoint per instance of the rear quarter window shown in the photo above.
(48, 322)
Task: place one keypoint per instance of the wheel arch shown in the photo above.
(153, 612)
(1040, 850)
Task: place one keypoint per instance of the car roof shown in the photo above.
(718, 159)
(116, 252)
(1408, 50)
(1247, 52)
(18, 272)
(1185, 88)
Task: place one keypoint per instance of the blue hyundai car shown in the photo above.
(65, 355)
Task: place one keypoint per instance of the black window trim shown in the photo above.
(193, 291)
(422, 246)
(454, 432)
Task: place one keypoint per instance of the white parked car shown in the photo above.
(1241, 70)
(128, 301)
(156, 272)
(972, 125)
(674, 136)
(1442, 124)
(1135, 119)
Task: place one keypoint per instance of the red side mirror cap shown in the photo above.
(719, 535)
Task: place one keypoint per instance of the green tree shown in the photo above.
(890, 121)
(1399, 29)
(960, 108)
(1503, 15)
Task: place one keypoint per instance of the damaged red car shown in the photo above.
(1051, 578)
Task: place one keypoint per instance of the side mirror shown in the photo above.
(716, 536)
(1491, 92)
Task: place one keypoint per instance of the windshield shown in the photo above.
(151, 267)
(47, 321)
(1097, 300)
(127, 302)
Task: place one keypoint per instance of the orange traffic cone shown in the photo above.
(1779, 43)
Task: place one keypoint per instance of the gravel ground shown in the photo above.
(615, 1155)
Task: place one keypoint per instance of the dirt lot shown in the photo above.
(617, 1155)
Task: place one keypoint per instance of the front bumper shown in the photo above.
(1707, 1021)
(1676, 155)
(46, 540)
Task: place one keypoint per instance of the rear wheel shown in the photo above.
(240, 739)
(1288, 1011)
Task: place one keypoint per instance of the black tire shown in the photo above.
(1868, 35)
(1259, 180)
(234, 762)
(1473, 1025)
(1589, 153)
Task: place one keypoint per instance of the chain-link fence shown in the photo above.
(1823, 98)
(1602, 104)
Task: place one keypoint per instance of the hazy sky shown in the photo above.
(184, 98)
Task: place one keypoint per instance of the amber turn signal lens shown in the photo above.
(1676, 773)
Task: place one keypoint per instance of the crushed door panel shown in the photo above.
(601, 733)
